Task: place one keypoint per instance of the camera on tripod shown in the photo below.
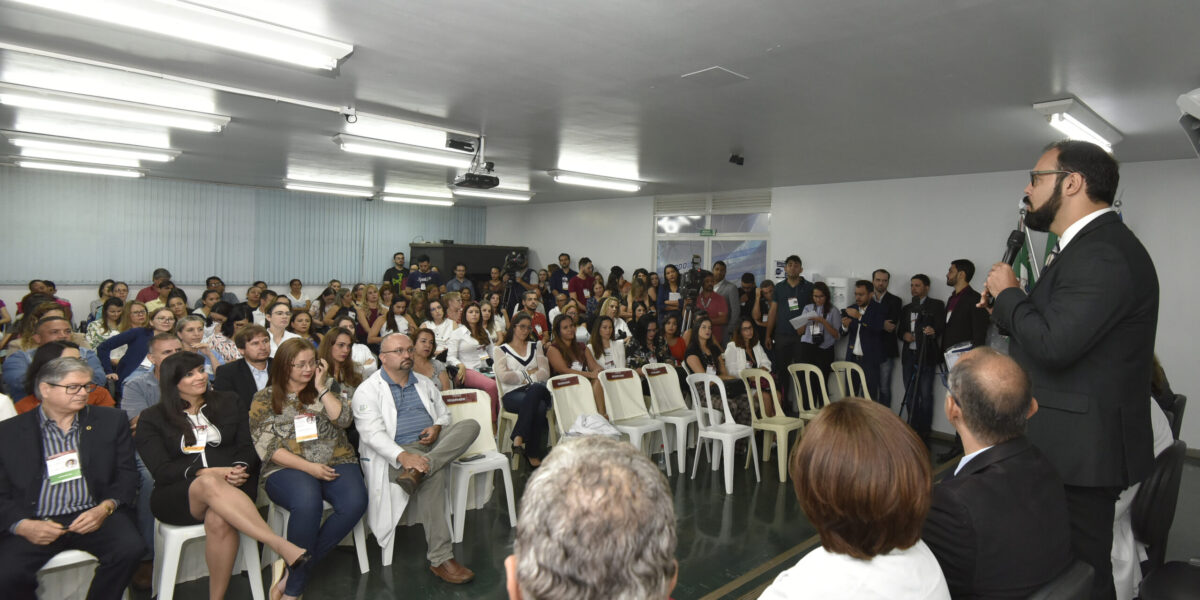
(513, 262)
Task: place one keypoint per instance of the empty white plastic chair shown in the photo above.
(848, 374)
(727, 433)
(168, 545)
(816, 397)
(623, 398)
(777, 426)
(572, 397)
(278, 517)
(63, 564)
(667, 405)
(467, 404)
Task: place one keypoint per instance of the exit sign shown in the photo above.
(708, 232)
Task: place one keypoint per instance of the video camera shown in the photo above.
(514, 262)
(691, 282)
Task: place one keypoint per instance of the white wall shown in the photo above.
(908, 226)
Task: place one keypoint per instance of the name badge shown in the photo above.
(422, 287)
(673, 296)
(201, 433)
(306, 427)
(587, 293)
(565, 285)
(576, 366)
(793, 304)
(63, 467)
(711, 370)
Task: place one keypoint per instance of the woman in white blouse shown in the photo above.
(864, 481)
(522, 368)
(745, 352)
(279, 316)
(360, 354)
(609, 309)
(440, 326)
(608, 352)
(493, 326)
(470, 352)
(395, 321)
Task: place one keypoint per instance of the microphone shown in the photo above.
(1016, 240)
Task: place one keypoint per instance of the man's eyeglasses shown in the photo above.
(1033, 175)
(75, 389)
(408, 350)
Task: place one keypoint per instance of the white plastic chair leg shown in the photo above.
(754, 451)
(782, 453)
(696, 461)
(360, 547)
(508, 493)
(728, 464)
(768, 437)
(388, 550)
(253, 566)
(462, 480)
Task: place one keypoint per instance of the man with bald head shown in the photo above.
(998, 525)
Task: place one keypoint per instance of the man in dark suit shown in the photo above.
(891, 305)
(250, 373)
(67, 482)
(966, 323)
(998, 525)
(863, 323)
(920, 327)
(1086, 335)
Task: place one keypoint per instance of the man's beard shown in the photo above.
(1040, 219)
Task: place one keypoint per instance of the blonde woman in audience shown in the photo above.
(609, 309)
(569, 356)
(369, 312)
(608, 352)
(469, 352)
(638, 296)
(109, 323)
(301, 325)
(418, 309)
(190, 331)
(424, 359)
(134, 314)
(395, 321)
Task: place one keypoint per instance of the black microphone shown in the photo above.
(1016, 240)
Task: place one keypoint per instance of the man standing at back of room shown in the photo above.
(580, 285)
(560, 280)
(424, 278)
(729, 291)
(1087, 342)
(460, 281)
(891, 305)
(150, 292)
(397, 273)
(966, 324)
(787, 302)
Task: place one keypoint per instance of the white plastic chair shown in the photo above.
(667, 405)
(777, 426)
(278, 517)
(68, 560)
(728, 432)
(572, 397)
(817, 396)
(623, 398)
(846, 372)
(467, 404)
(169, 541)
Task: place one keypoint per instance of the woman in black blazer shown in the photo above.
(197, 446)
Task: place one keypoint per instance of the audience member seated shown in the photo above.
(321, 305)
(150, 292)
(301, 325)
(522, 367)
(395, 321)
(177, 304)
(162, 290)
(492, 325)
(222, 338)
(705, 356)
(529, 305)
(560, 301)
(249, 374)
(69, 483)
(48, 329)
(609, 353)
(441, 326)
(196, 444)
(568, 356)
(279, 315)
(424, 361)
(208, 299)
(298, 427)
(190, 330)
(646, 346)
(300, 300)
(364, 359)
(575, 311)
(596, 299)
(408, 439)
(999, 524)
(672, 338)
(137, 343)
(43, 308)
(46, 353)
(597, 521)
(107, 325)
(744, 351)
(104, 292)
(469, 353)
(863, 479)
(609, 308)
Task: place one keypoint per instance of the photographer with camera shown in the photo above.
(516, 266)
(920, 327)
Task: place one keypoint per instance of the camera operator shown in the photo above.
(919, 329)
(517, 266)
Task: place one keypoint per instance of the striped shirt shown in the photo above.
(411, 415)
(69, 496)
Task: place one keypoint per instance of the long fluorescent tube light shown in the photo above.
(326, 188)
(386, 149)
(597, 181)
(411, 200)
(23, 96)
(80, 158)
(29, 164)
(1078, 122)
(210, 26)
(97, 149)
(494, 193)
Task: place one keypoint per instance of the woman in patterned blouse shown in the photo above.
(298, 427)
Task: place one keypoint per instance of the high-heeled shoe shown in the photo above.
(277, 593)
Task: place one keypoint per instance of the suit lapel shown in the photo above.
(1097, 223)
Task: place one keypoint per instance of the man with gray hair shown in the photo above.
(998, 525)
(150, 292)
(67, 482)
(597, 522)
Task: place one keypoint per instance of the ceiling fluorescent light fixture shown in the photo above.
(413, 200)
(23, 96)
(597, 181)
(328, 188)
(210, 26)
(97, 150)
(47, 166)
(79, 158)
(495, 194)
(1078, 122)
(386, 149)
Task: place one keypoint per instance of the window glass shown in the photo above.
(740, 256)
(741, 223)
(679, 224)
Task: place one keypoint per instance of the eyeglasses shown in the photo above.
(75, 389)
(408, 350)
(308, 364)
(1033, 175)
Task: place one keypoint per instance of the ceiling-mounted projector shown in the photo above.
(478, 181)
(1189, 105)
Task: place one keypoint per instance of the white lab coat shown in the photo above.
(375, 418)
(735, 359)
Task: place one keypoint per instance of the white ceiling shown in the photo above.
(838, 90)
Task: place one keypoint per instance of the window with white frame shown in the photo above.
(728, 226)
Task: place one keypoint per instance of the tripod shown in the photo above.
(910, 393)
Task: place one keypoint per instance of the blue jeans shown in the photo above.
(885, 381)
(531, 404)
(303, 495)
